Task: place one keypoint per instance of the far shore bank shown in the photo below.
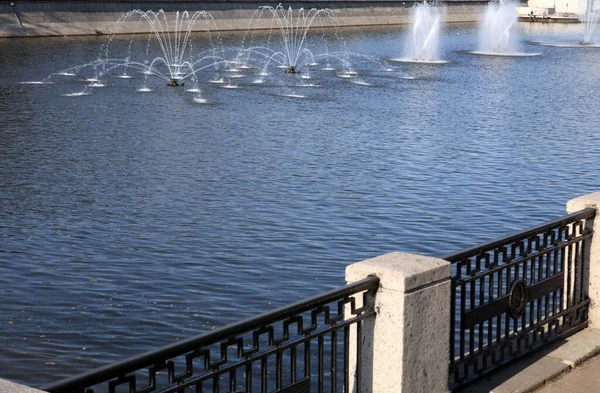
(68, 18)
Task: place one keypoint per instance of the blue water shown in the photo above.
(130, 220)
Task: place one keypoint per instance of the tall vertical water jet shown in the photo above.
(497, 32)
(589, 13)
(422, 45)
(589, 16)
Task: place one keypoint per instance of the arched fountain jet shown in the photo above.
(287, 46)
(293, 25)
(173, 41)
(167, 53)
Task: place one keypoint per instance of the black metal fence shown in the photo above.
(301, 348)
(516, 294)
(509, 297)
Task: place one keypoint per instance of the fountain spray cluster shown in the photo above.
(176, 60)
(169, 53)
(297, 43)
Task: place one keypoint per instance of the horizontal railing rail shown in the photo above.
(273, 348)
(515, 294)
(481, 248)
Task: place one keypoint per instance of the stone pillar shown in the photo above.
(575, 205)
(406, 349)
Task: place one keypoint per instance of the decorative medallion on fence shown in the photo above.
(517, 299)
(516, 294)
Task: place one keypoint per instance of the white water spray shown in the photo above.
(424, 41)
(497, 32)
(590, 11)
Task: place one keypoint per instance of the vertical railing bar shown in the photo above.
(359, 356)
(346, 358)
(576, 281)
(293, 365)
(216, 384)
(463, 301)
(564, 268)
(541, 277)
(263, 375)
(249, 377)
(533, 278)
(569, 253)
(584, 262)
(452, 321)
(500, 294)
(307, 359)
(555, 265)
(481, 301)
(472, 289)
(471, 340)
(321, 360)
(491, 299)
(548, 275)
(516, 320)
(582, 270)
(233, 379)
(507, 319)
(278, 370)
(523, 317)
(334, 361)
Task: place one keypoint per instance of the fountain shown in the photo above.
(422, 45)
(497, 31)
(176, 62)
(589, 16)
(292, 53)
(168, 53)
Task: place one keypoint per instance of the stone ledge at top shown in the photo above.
(400, 271)
(585, 201)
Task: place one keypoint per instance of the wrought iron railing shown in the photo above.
(301, 348)
(513, 295)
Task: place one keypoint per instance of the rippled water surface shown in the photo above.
(130, 220)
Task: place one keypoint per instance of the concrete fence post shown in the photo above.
(575, 205)
(406, 347)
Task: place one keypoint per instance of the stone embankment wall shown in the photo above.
(60, 18)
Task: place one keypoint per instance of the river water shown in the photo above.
(130, 220)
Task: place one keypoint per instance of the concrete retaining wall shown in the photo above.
(59, 18)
